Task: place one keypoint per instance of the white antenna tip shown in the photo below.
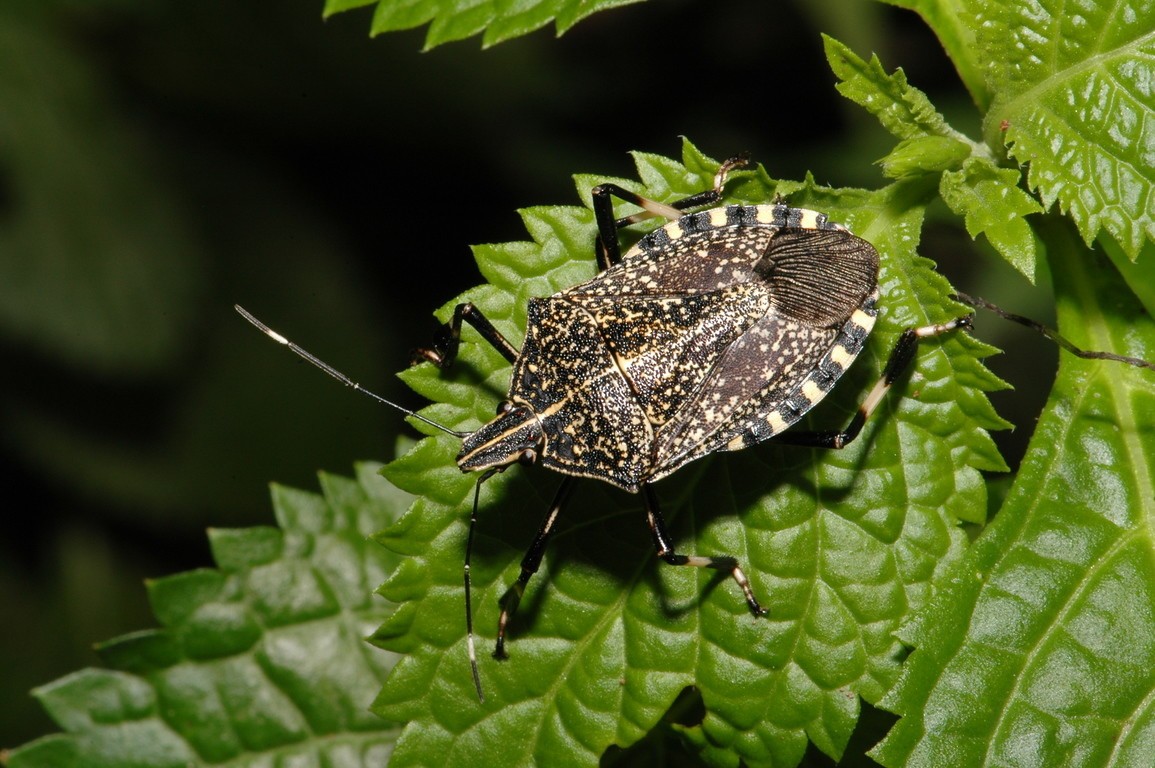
(276, 336)
(261, 326)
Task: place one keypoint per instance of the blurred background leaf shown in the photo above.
(159, 162)
(258, 660)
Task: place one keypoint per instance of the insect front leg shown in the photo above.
(448, 338)
(609, 250)
(529, 565)
(899, 360)
(718, 562)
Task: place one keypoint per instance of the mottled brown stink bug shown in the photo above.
(714, 332)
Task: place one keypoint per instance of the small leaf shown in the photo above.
(902, 109)
(337, 6)
(993, 204)
(972, 184)
(924, 154)
(1040, 648)
(842, 545)
(258, 662)
(1074, 103)
(451, 20)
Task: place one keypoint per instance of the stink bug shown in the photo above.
(714, 332)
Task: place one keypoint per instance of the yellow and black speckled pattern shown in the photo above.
(591, 421)
(716, 332)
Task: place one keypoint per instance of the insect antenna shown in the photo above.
(468, 604)
(1051, 333)
(312, 359)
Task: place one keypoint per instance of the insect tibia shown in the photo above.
(740, 160)
(1051, 333)
(509, 603)
(722, 563)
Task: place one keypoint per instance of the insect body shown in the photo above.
(714, 332)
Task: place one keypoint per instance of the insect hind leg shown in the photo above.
(900, 359)
(718, 562)
(609, 250)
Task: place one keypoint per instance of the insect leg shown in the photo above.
(609, 250)
(529, 565)
(718, 562)
(899, 360)
(448, 338)
(1051, 333)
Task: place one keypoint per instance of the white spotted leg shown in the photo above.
(665, 547)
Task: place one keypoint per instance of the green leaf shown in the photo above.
(841, 546)
(1040, 648)
(451, 20)
(903, 110)
(924, 154)
(260, 661)
(994, 205)
(971, 183)
(1075, 104)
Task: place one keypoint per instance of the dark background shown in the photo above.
(159, 162)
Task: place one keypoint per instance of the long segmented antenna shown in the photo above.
(468, 586)
(312, 359)
(1051, 333)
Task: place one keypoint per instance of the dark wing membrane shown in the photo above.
(819, 276)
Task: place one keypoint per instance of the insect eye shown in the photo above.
(528, 457)
(504, 407)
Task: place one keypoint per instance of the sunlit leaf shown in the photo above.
(902, 109)
(496, 20)
(1074, 102)
(987, 196)
(992, 204)
(1041, 648)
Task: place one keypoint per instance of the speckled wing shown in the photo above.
(666, 347)
(687, 263)
(823, 288)
(717, 331)
(603, 374)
